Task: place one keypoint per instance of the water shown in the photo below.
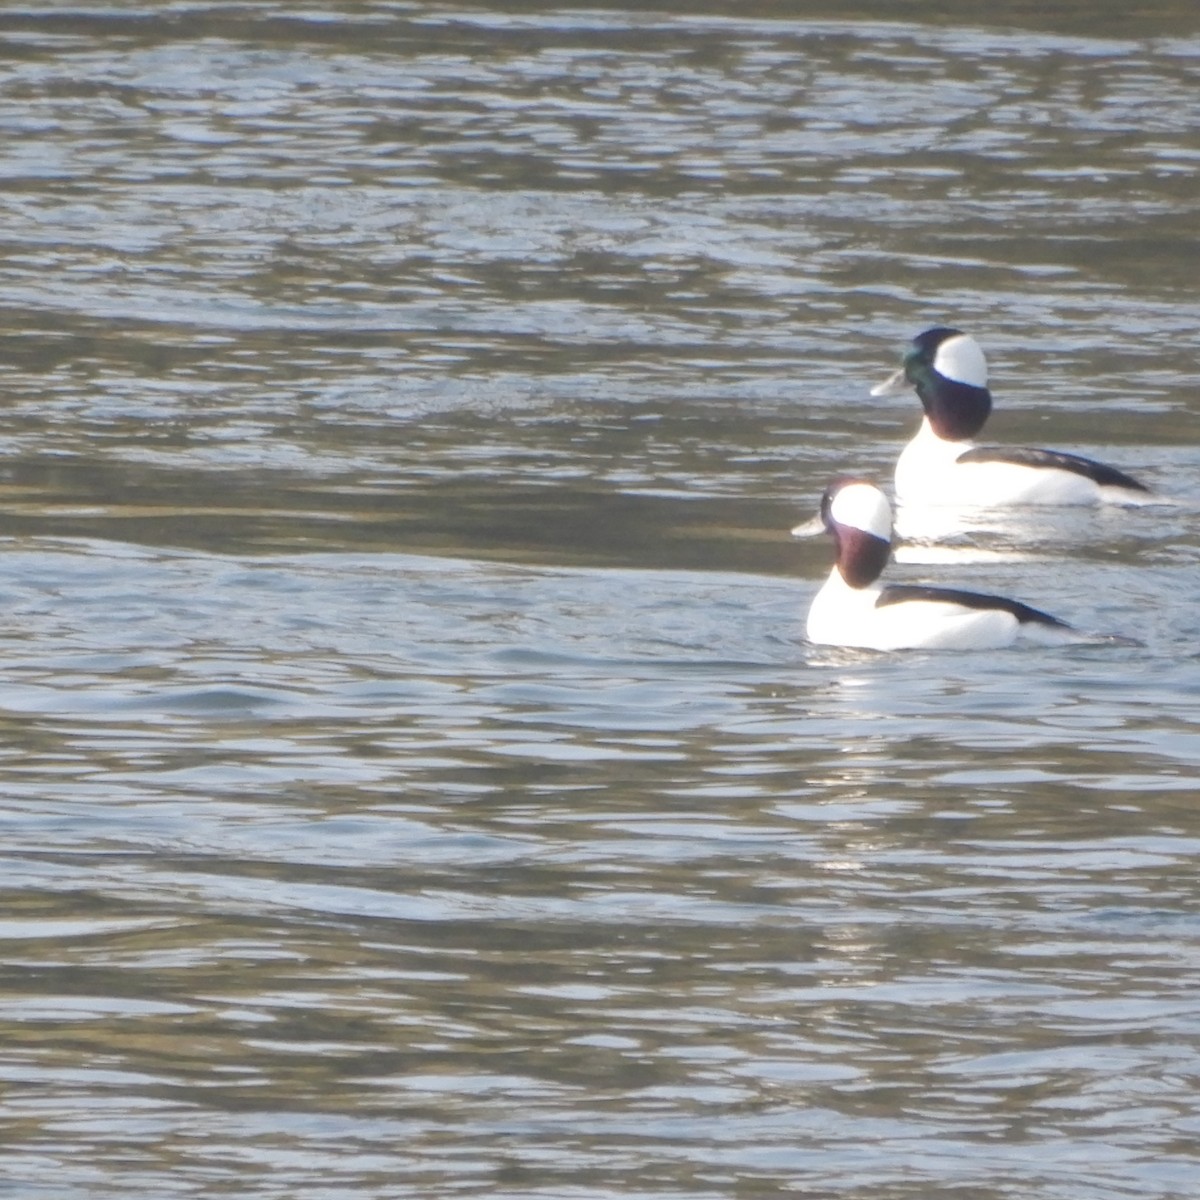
(415, 780)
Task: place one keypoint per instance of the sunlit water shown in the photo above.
(415, 778)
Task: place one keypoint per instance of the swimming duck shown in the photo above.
(942, 465)
(854, 609)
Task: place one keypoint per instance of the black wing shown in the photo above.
(1026, 456)
(900, 593)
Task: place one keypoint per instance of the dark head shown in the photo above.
(949, 372)
(859, 516)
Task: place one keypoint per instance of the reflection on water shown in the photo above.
(937, 533)
(415, 781)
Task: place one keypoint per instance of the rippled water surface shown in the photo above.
(415, 781)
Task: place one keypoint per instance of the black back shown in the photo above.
(901, 593)
(1025, 456)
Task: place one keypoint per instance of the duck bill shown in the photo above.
(809, 528)
(893, 385)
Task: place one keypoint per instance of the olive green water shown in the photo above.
(414, 781)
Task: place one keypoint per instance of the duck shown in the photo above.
(854, 609)
(942, 465)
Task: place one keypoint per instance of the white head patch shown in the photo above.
(960, 358)
(863, 506)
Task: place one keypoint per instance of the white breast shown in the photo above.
(841, 615)
(925, 468)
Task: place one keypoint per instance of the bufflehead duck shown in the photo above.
(942, 465)
(854, 609)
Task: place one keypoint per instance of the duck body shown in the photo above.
(943, 465)
(934, 471)
(900, 617)
(854, 609)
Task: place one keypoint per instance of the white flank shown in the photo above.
(928, 473)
